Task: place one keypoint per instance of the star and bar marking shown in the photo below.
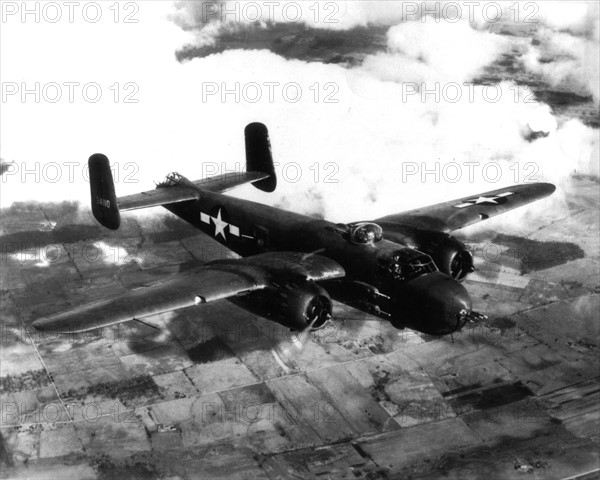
(220, 225)
(493, 200)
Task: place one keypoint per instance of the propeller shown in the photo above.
(300, 339)
(286, 350)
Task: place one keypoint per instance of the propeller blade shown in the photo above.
(283, 353)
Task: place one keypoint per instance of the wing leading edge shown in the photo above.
(215, 281)
(459, 213)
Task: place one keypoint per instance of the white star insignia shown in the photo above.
(483, 199)
(486, 200)
(219, 225)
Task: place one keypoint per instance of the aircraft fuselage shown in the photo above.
(429, 301)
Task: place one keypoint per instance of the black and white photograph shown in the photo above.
(311, 239)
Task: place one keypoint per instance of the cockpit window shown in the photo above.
(171, 179)
(365, 232)
(407, 264)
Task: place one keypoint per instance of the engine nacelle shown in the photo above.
(450, 255)
(461, 263)
(300, 305)
(295, 305)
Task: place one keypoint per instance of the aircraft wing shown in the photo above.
(214, 281)
(455, 214)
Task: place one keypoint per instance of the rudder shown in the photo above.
(104, 199)
(258, 155)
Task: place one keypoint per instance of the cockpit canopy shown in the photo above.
(406, 264)
(364, 232)
(171, 179)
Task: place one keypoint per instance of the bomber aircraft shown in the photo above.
(404, 268)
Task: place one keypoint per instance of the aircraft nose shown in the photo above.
(459, 312)
(452, 304)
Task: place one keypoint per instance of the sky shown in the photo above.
(351, 142)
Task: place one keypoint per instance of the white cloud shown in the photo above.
(429, 52)
(566, 61)
(368, 133)
(579, 17)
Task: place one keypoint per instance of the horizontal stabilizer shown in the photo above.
(260, 171)
(157, 197)
(227, 181)
(188, 190)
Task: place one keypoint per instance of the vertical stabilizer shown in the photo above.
(258, 155)
(104, 200)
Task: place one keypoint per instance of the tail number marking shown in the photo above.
(103, 202)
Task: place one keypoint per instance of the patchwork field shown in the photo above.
(199, 393)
